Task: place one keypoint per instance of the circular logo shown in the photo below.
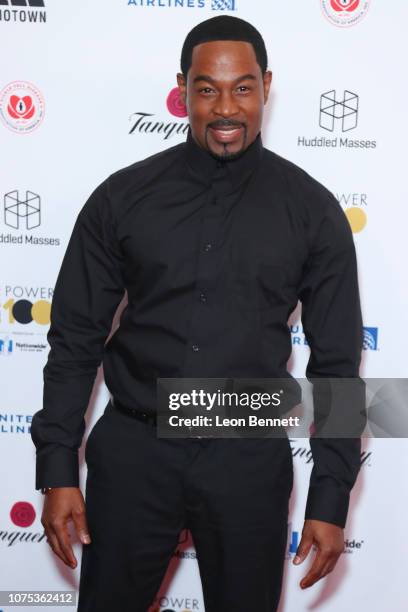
(345, 13)
(174, 104)
(21, 106)
(357, 218)
(22, 514)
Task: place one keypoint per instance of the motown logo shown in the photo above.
(370, 338)
(22, 213)
(21, 10)
(345, 13)
(333, 111)
(21, 107)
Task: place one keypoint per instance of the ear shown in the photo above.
(267, 80)
(182, 85)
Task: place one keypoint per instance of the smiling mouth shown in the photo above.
(226, 133)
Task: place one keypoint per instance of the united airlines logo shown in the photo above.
(22, 212)
(214, 5)
(334, 111)
(370, 338)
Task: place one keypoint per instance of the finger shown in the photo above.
(81, 526)
(54, 545)
(315, 572)
(303, 549)
(61, 532)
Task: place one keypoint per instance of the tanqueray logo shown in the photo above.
(215, 5)
(345, 13)
(147, 123)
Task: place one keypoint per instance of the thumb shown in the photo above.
(303, 548)
(81, 526)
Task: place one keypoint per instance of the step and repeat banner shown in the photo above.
(87, 87)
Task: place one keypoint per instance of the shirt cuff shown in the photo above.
(327, 503)
(57, 466)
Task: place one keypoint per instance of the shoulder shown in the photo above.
(146, 169)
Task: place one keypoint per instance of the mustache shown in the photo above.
(220, 123)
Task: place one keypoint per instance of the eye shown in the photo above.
(206, 90)
(243, 89)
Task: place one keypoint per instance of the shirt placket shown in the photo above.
(198, 348)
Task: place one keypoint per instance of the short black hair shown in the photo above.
(223, 27)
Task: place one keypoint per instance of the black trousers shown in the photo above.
(142, 491)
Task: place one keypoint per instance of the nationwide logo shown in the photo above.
(6, 346)
(22, 11)
(293, 542)
(215, 5)
(370, 338)
(24, 213)
(21, 107)
(147, 123)
(338, 113)
(345, 13)
(354, 206)
(351, 546)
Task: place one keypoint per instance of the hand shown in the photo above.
(329, 540)
(61, 505)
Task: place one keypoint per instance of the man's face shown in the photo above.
(225, 94)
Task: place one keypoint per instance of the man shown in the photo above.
(214, 240)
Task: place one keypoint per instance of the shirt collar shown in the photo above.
(207, 168)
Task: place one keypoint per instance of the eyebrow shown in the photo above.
(206, 77)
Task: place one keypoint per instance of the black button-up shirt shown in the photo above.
(214, 257)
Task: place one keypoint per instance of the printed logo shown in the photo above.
(370, 338)
(223, 5)
(293, 542)
(345, 13)
(333, 110)
(174, 105)
(21, 107)
(6, 346)
(338, 114)
(146, 123)
(22, 212)
(21, 11)
(355, 206)
(22, 514)
(216, 5)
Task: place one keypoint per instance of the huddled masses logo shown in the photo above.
(345, 13)
(21, 106)
(333, 111)
(22, 212)
(370, 338)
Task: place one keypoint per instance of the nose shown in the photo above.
(226, 105)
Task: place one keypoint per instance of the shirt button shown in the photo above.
(203, 297)
(195, 347)
(207, 247)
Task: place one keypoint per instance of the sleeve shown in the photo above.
(87, 293)
(332, 322)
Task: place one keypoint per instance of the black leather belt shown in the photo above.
(150, 419)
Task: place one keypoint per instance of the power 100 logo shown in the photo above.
(25, 306)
